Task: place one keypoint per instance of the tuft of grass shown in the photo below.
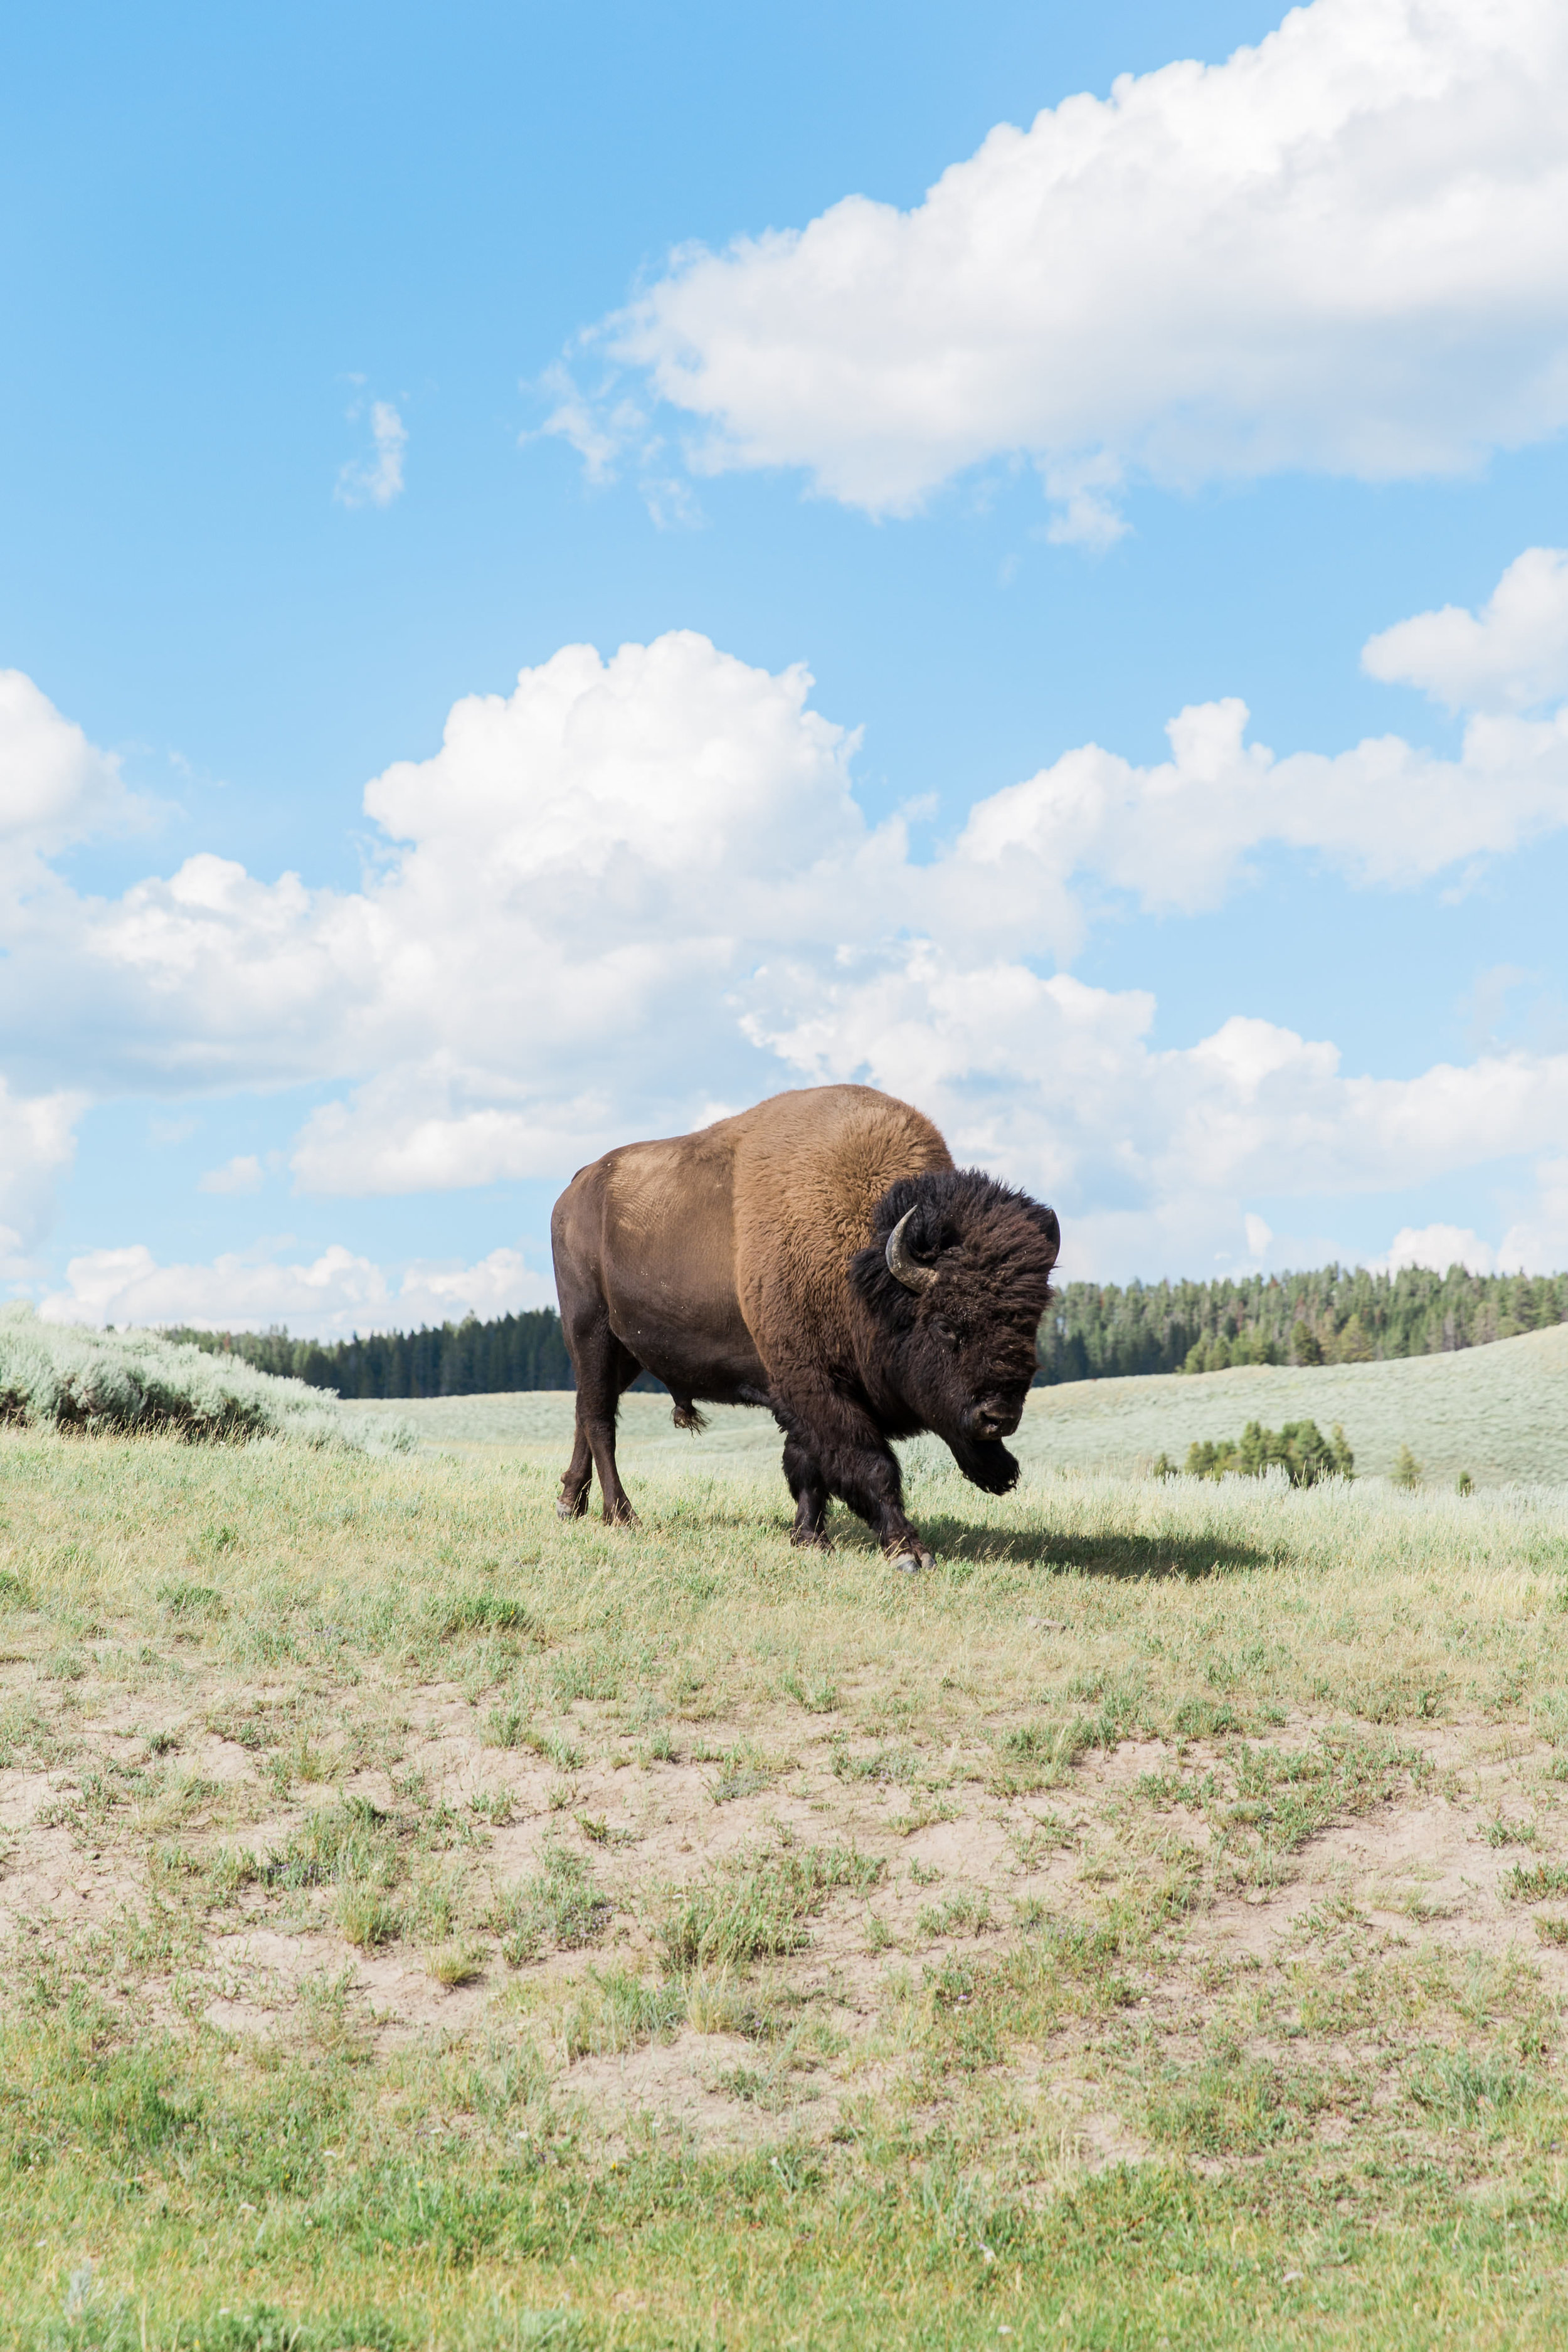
(1222, 2108)
(366, 1918)
(189, 1599)
(756, 1904)
(719, 2005)
(896, 1765)
(560, 1903)
(350, 1846)
(452, 1965)
(615, 2011)
(742, 1772)
(962, 1913)
(1506, 1832)
(480, 1611)
(1537, 1883)
(1466, 2086)
(819, 1697)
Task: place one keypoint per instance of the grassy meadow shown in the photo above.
(428, 1924)
(1500, 1413)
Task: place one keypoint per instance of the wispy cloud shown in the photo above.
(240, 1174)
(376, 479)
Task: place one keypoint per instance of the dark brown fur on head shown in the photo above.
(957, 1355)
(992, 1248)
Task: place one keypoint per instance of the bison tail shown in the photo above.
(685, 1415)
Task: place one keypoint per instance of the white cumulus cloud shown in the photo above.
(1510, 656)
(55, 786)
(1438, 1247)
(635, 888)
(336, 1294)
(1150, 1153)
(38, 1144)
(1340, 249)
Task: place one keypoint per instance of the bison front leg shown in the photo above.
(807, 1484)
(857, 1464)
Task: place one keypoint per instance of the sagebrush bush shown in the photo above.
(66, 1376)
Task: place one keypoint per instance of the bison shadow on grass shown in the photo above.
(1190, 1557)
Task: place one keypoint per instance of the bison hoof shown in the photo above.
(811, 1539)
(567, 1510)
(910, 1563)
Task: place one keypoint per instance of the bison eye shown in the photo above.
(945, 1332)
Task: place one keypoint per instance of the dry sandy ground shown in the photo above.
(1422, 1870)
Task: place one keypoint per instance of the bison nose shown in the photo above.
(994, 1417)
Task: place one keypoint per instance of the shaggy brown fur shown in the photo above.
(745, 1264)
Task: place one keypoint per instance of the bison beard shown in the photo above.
(819, 1255)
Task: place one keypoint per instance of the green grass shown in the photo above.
(1170, 2016)
(757, 1903)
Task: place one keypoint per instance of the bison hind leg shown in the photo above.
(685, 1415)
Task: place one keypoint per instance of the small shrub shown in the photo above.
(1299, 1449)
(1406, 1470)
(65, 1376)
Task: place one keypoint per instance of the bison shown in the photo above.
(819, 1255)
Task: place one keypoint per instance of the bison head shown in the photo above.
(955, 1278)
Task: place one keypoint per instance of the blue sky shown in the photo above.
(355, 365)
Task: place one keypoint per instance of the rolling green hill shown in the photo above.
(1501, 1413)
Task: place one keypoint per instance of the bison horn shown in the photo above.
(902, 1265)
